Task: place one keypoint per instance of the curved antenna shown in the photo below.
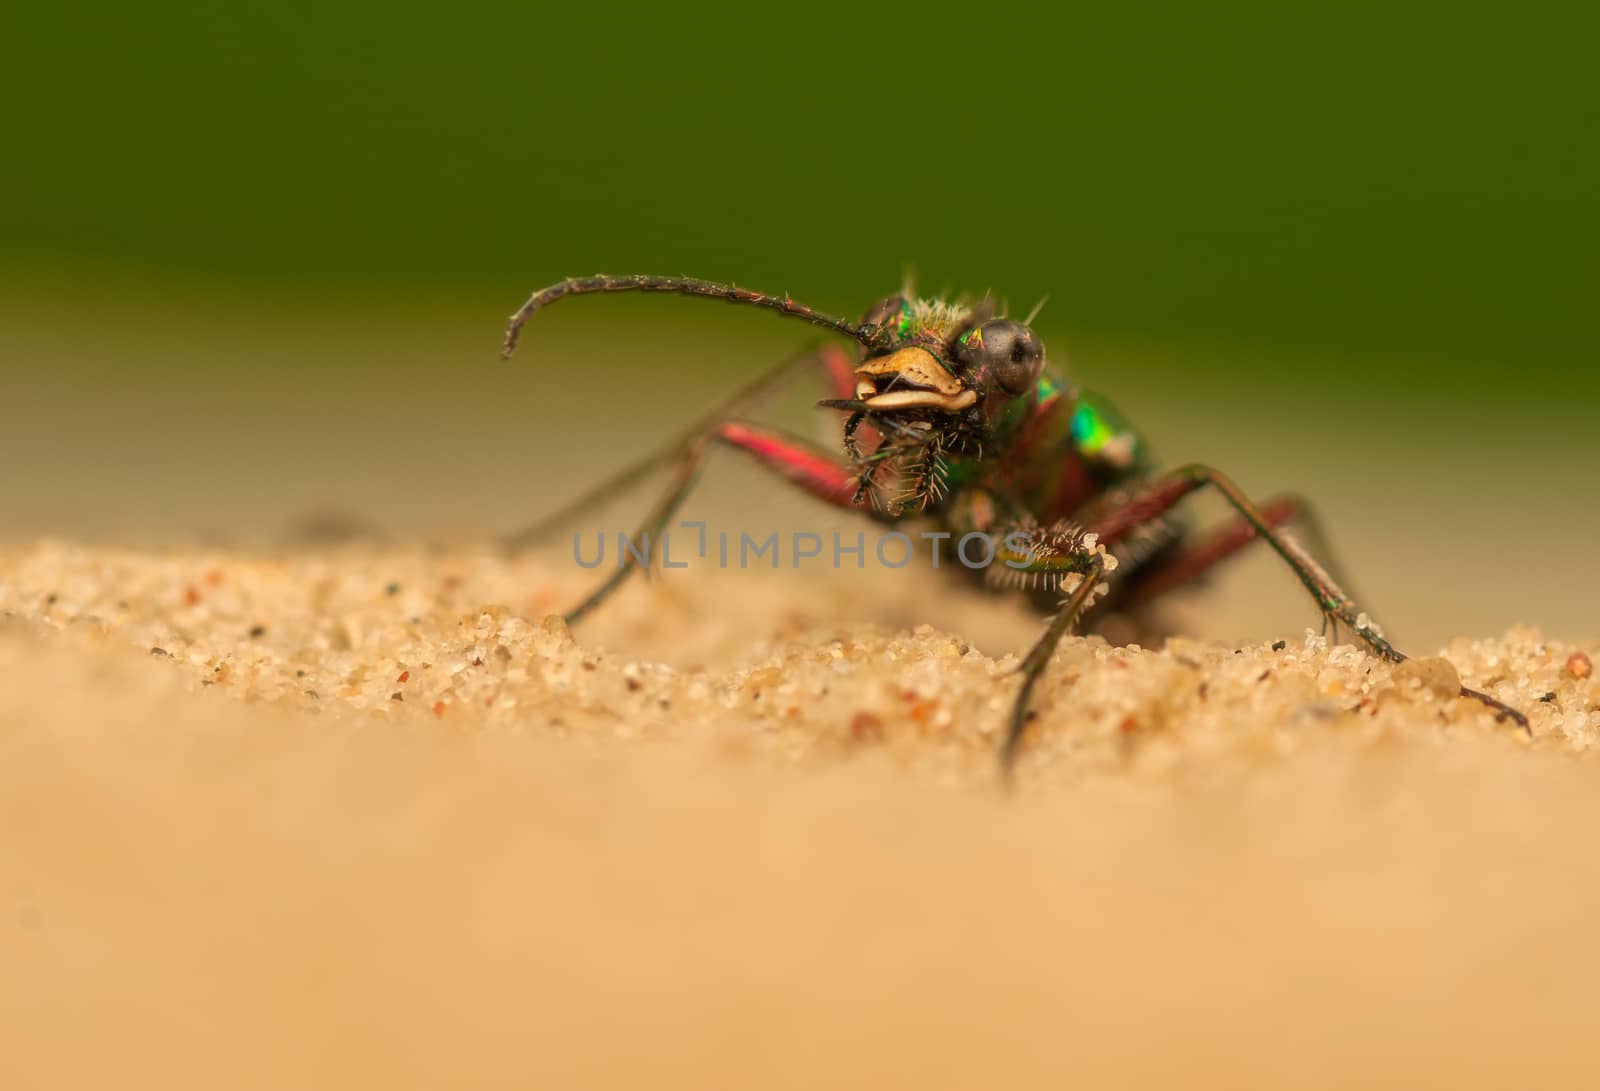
(869, 335)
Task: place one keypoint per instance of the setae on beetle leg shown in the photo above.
(1163, 493)
(803, 464)
(835, 363)
(1062, 557)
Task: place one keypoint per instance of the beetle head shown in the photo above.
(942, 362)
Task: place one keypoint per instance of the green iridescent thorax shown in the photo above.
(1104, 438)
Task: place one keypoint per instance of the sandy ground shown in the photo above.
(373, 817)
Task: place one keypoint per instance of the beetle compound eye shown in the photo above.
(892, 314)
(1010, 351)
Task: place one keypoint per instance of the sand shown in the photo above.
(372, 816)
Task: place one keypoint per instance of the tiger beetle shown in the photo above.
(953, 415)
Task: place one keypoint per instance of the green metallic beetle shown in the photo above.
(955, 417)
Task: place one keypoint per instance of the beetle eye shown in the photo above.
(1008, 350)
(890, 314)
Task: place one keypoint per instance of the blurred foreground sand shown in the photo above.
(366, 818)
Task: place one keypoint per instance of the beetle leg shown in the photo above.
(834, 361)
(802, 464)
(1067, 558)
(1163, 493)
(648, 531)
(1192, 562)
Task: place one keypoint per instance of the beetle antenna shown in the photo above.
(868, 335)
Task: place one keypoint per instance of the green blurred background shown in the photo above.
(254, 264)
